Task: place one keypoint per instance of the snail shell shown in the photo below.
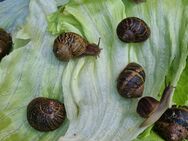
(45, 114)
(130, 83)
(5, 43)
(146, 106)
(173, 124)
(69, 45)
(133, 30)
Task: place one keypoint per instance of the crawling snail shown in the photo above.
(173, 124)
(130, 83)
(5, 43)
(45, 114)
(132, 30)
(70, 45)
(151, 109)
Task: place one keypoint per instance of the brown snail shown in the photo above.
(130, 83)
(70, 45)
(133, 30)
(151, 109)
(173, 124)
(146, 106)
(5, 43)
(45, 114)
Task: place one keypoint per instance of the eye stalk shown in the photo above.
(93, 49)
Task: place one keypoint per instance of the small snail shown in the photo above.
(146, 106)
(151, 109)
(130, 83)
(45, 114)
(132, 30)
(70, 45)
(5, 43)
(173, 124)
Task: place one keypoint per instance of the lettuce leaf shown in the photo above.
(87, 86)
(166, 49)
(13, 14)
(29, 72)
(181, 93)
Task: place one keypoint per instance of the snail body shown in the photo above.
(173, 124)
(70, 45)
(5, 43)
(133, 30)
(45, 114)
(130, 83)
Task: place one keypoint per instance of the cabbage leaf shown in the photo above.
(87, 86)
(13, 14)
(103, 114)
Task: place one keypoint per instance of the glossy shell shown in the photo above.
(45, 114)
(5, 43)
(130, 83)
(70, 45)
(173, 124)
(133, 30)
(146, 106)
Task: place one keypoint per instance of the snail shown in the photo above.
(151, 109)
(146, 106)
(45, 114)
(70, 45)
(173, 124)
(133, 30)
(130, 83)
(5, 43)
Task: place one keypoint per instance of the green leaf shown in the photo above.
(165, 49)
(87, 86)
(29, 72)
(181, 92)
(13, 14)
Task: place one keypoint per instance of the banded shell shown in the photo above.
(5, 43)
(133, 30)
(45, 114)
(130, 83)
(70, 45)
(146, 106)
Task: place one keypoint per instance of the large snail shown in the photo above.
(132, 30)
(173, 124)
(152, 109)
(45, 114)
(130, 83)
(70, 45)
(5, 43)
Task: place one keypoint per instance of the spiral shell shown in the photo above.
(173, 124)
(146, 106)
(45, 114)
(133, 30)
(130, 83)
(5, 43)
(70, 45)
